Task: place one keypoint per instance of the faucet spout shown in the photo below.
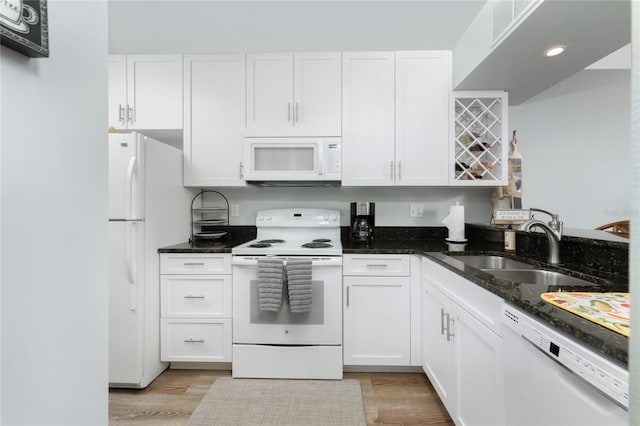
(554, 234)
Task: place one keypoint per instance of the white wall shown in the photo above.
(392, 204)
(575, 141)
(54, 213)
(187, 26)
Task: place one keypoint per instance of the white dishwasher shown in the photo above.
(550, 379)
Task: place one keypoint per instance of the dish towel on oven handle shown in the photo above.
(299, 285)
(270, 284)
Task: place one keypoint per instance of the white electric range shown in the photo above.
(285, 343)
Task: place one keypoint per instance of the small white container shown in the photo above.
(509, 240)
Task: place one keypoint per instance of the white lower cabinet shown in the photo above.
(195, 307)
(462, 351)
(377, 314)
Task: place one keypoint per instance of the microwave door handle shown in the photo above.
(320, 159)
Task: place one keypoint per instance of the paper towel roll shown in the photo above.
(455, 223)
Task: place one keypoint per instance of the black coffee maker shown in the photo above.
(362, 221)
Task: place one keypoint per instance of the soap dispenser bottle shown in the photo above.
(509, 240)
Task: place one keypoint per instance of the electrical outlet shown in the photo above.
(416, 210)
(235, 210)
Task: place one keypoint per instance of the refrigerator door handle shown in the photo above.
(129, 189)
(131, 270)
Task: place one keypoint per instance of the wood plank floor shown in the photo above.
(389, 399)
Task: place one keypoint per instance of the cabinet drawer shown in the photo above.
(189, 263)
(196, 340)
(397, 265)
(191, 296)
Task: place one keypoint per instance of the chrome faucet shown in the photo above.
(553, 230)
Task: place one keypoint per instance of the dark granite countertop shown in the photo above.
(523, 296)
(527, 298)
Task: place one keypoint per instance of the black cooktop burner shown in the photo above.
(259, 245)
(321, 240)
(270, 241)
(316, 245)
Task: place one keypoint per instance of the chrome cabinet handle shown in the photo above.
(442, 321)
(297, 112)
(399, 170)
(391, 170)
(120, 113)
(289, 111)
(450, 322)
(193, 263)
(241, 170)
(377, 266)
(347, 296)
(194, 341)
(129, 114)
(193, 297)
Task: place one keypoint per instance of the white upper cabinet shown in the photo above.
(293, 94)
(214, 115)
(368, 119)
(117, 95)
(423, 86)
(395, 118)
(145, 92)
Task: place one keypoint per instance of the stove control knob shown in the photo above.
(333, 218)
(260, 218)
(268, 218)
(325, 217)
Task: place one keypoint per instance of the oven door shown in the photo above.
(322, 325)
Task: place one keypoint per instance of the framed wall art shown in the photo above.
(24, 26)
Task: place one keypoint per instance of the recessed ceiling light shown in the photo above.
(554, 51)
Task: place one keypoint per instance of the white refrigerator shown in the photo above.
(148, 209)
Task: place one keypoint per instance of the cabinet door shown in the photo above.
(423, 84)
(214, 115)
(317, 94)
(436, 342)
(154, 91)
(478, 378)
(368, 119)
(117, 96)
(377, 321)
(270, 106)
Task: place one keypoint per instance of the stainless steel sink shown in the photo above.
(491, 262)
(538, 276)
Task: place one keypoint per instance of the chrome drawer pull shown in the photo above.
(379, 266)
(193, 297)
(193, 263)
(450, 323)
(347, 296)
(194, 341)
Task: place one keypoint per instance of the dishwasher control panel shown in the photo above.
(606, 376)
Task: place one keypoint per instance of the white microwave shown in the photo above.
(293, 160)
